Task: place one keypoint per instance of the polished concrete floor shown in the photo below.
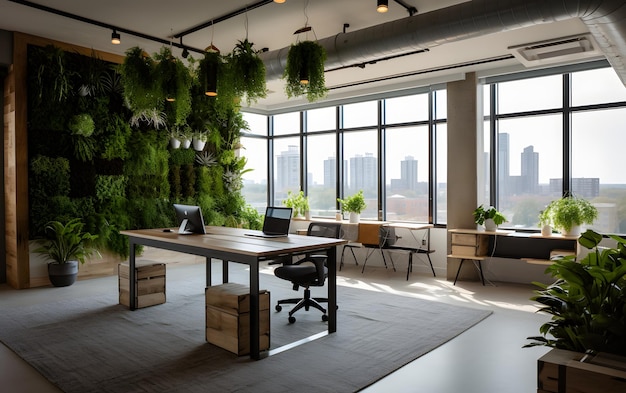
(487, 358)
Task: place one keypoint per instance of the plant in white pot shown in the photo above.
(490, 217)
(64, 246)
(354, 205)
(199, 140)
(567, 214)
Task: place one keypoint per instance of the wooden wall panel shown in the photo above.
(16, 154)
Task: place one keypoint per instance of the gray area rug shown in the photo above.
(92, 344)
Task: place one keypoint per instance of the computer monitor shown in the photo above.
(189, 219)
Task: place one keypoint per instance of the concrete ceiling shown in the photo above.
(272, 26)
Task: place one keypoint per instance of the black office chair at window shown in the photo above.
(310, 271)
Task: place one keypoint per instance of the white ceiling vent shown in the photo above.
(559, 50)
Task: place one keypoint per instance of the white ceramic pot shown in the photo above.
(490, 225)
(546, 230)
(354, 217)
(186, 143)
(175, 143)
(574, 231)
(198, 145)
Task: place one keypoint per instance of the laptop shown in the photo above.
(276, 224)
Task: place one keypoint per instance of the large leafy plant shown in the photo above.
(353, 203)
(587, 301)
(248, 72)
(67, 242)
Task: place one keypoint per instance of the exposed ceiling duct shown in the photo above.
(606, 21)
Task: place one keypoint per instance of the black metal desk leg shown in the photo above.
(132, 276)
(480, 269)
(208, 271)
(254, 312)
(224, 271)
(332, 290)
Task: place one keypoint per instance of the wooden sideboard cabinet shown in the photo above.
(477, 245)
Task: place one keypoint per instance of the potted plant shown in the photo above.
(175, 138)
(568, 214)
(354, 205)
(490, 217)
(304, 71)
(587, 301)
(199, 140)
(65, 245)
(299, 203)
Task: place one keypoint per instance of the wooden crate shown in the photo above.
(562, 371)
(469, 244)
(228, 318)
(150, 283)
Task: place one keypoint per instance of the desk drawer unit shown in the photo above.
(149, 281)
(228, 317)
(469, 244)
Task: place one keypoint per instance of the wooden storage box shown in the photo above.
(562, 371)
(228, 317)
(150, 282)
(469, 244)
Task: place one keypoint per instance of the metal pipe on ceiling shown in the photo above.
(606, 20)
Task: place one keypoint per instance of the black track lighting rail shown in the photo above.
(104, 25)
(223, 18)
(409, 8)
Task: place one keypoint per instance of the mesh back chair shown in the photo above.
(310, 271)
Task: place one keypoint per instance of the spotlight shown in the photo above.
(185, 53)
(382, 6)
(279, 1)
(115, 38)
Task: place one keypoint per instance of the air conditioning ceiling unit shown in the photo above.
(559, 50)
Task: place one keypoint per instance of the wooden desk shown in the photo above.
(477, 245)
(230, 244)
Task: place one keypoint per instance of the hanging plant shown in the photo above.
(174, 83)
(140, 90)
(248, 72)
(304, 71)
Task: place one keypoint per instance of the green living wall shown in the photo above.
(99, 144)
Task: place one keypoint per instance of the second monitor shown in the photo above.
(189, 219)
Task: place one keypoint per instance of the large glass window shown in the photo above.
(255, 180)
(406, 109)
(287, 168)
(322, 119)
(361, 155)
(362, 114)
(407, 185)
(322, 174)
(287, 123)
(597, 173)
(530, 94)
(530, 167)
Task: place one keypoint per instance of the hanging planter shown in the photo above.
(304, 72)
(141, 93)
(174, 84)
(247, 72)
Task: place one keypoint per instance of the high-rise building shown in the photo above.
(530, 171)
(408, 173)
(288, 169)
(330, 172)
(363, 173)
(503, 161)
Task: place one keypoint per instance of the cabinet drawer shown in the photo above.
(469, 244)
(463, 239)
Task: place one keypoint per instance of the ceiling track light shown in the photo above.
(115, 38)
(382, 5)
(185, 53)
(279, 1)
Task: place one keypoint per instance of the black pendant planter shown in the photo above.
(63, 274)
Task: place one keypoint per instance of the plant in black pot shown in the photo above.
(64, 246)
(587, 301)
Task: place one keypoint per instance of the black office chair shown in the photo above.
(307, 272)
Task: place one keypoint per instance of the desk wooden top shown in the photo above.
(234, 240)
